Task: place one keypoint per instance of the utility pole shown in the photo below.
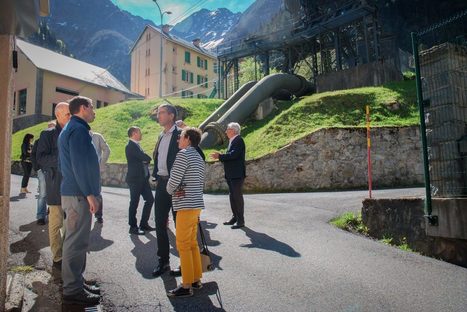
(162, 50)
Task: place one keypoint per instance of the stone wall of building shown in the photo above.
(334, 158)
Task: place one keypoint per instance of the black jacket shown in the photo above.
(234, 159)
(137, 162)
(35, 165)
(26, 149)
(173, 150)
(47, 159)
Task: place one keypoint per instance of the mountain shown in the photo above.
(97, 32)
(209, 26)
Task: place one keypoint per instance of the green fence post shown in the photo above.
(421, 108)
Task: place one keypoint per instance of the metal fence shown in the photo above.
(440, 54)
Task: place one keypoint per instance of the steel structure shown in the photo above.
(328, 37)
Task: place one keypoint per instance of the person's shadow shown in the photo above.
(200, 300)
(207, 226)
(17, 197)
(264, 241)
(96, 241)
(32, 243)
(145, 254)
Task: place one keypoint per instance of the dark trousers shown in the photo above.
(137, 189)
(236, 199)
(27, 168)
(163, 204)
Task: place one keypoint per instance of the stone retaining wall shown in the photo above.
(403, 220)
(333, 158)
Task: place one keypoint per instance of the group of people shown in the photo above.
(67, 155)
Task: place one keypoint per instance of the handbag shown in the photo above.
(206, 261)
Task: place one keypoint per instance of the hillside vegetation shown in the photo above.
(393, 104)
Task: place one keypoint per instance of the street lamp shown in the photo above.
(162, 24)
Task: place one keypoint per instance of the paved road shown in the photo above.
(287, 259)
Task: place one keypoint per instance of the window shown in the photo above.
(98, 104)
(205, 64)
(22, 99)
(201, 96)
(148, 36)
(214, 67)
(198, 61)
(174, 69)
(148, 52)
(14, 101)
(106, 104)
(187, 94)
(66, 91)
(187, 76)
(53, 110)
(148, 72)
(206, 82)
(187, 57)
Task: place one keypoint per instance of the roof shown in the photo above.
(70, 67)
(173, 38)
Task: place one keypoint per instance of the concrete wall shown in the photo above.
(403, 220)
(25, 78)
(370, 74)
(326, 159)
(6, 98)
(146, 55)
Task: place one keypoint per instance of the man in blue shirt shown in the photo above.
(80, 190)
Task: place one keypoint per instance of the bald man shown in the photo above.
(47, 159)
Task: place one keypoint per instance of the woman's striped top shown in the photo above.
(187, 173)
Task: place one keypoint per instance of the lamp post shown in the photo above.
(161, 52)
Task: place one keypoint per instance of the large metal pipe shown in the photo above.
(214, 131)
(227, 104)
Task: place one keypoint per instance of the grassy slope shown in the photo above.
(331, 109)
(290, 121)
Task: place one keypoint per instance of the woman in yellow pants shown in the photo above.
(186, 184)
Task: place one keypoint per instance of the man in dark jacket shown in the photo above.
(164, 156)
(234, 167)
(138, 181)
(47, 160)
(81, 191)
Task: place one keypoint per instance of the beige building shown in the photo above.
(188, 70)
(45, 78)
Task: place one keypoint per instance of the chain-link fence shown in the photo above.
(440, 54)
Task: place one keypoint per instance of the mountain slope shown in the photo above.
(209, 26)
(98, 32)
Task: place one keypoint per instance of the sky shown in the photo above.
(148, 9)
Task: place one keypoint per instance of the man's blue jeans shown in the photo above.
(41, 199)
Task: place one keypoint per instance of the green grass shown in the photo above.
(393, 104)
(402, 245)
(22, 269)
(351, 222)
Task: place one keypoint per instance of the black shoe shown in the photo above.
(230, 222)
(92, 289)
(82, 298)
(100, 220)
(40, 222)
(91, 283)
(136, 231)
(180, 292)
(237, 226)
(197, 285)
(146, 228)
(177, 272)
(161, 269)
(57, 265)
